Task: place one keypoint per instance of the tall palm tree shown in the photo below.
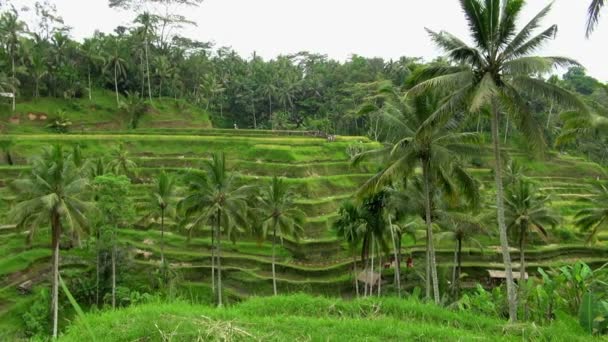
(147, 22)
(163, 71)
(213, 197)
(160, 204)
(526, 209)
(93, 58)
(593, 15)
(460, 228)
(410, 144)
(594, 216)
(276, 203)
(54, 192)
(119, 66)
(495, 75)
(350, 227)
(120, 162)
(11, 28)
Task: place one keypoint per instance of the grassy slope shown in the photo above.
(99, 114)
(305, 318)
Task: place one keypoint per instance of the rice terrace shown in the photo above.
(158, 186)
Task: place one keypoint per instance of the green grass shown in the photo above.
(306, 318)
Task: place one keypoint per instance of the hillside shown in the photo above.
(100, 113)
(322, 175)
(305, 318)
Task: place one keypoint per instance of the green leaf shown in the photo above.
(586, 313)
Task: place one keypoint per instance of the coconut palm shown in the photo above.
(160, 204)
(593, 15)
(526, 209)
(119, 66)
(594, 216)
(147, 22)
(120, 162)
(213, 197)
(54, 192)
(495, 75)
(276, 203)
(350, 227)
(11, 28)
(410, 144)
(460, 228)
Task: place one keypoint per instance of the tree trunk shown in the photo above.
(116, 84)
(56, 234)
(429, 228)
(274, 275)
(458, 268)
(506, 129)
(379, 271)
(148, 70)
(9, 158)
(397, 270)
(454, 270)
(162, 236)
(355, 270)
(89, 81)
(522, 258)
(270, 111)
(219, 260)
(213, 239)
(160, 88)
(550, 114)
(371, 283)
(428, 283)
(500, 213)
(97, 262)
(113, 267)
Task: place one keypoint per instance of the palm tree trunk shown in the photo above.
(56, 232)
(148, 70)
(274, 275)
(160, 88)
(89, 81)
(355, 271)
(113, 267)
(379, 272)
(454, 270)
(219, 260)
(270, 111)
(371, 283)
(550, 114)
(14, 87)
(522, 258)
(429, 228)
(116, 84)
(213, 260)
(162, 236)
(397, 270)
(506, 129)
(458, 268)
(500, 213)
(428, 284)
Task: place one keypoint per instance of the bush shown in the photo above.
(37, 318)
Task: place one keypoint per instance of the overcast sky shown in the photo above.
(339, 28)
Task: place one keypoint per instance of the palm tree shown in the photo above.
(410, 143)
(593, 15)
(495, 75)
(160, 204)
(350, 226)
(119, 66)
(460, 228)
(11, 28)
(526, 210)
(93, 58)
(53, 192)
(147, 22)
(163, 71)
(276, 203)
(594, 216)
(135, 107)
(120, 163)
(213, 197)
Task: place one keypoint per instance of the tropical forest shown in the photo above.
(155, 186)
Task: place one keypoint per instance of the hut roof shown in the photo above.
(496, 274)
(368, 277)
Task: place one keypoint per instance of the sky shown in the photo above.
(340, 28)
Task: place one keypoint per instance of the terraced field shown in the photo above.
(323, 177)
